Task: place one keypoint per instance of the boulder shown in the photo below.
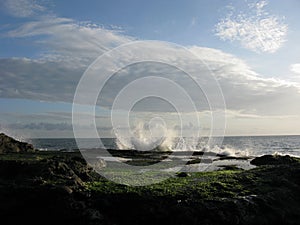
(10, 145)
(273, 160)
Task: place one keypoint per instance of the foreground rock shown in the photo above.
(9, 145)
(60, 188)
(46, 188)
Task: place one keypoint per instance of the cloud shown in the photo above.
(65, 40)
(22, 8)
(295, 68)
(244, 90)
(38, 80)
(25, 131)
(70, 47)
(242, 115)
(42, 126)
(11, 117)
(254, 28)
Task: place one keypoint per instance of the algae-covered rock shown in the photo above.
(10, 145)
(273, 160)
(60, 188)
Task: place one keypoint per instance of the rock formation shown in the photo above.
(9, 145)
(273, 160)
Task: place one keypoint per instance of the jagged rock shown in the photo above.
(8, 145)
(272, 160)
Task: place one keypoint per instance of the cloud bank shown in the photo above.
(69, 47)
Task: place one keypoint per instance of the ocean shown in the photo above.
(238, 145)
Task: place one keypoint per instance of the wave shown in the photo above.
(231, 151)
(147, 137)
(276, 153)
(143, 140)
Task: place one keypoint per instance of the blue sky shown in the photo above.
(252, 46)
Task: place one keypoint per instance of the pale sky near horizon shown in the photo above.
(252, 47)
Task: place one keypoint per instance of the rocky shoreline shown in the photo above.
(60, 188)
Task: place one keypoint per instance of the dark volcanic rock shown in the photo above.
(199, 160)
(60, 188)
(273, 160)
(46, 188)
(183, 174)
(8, 144)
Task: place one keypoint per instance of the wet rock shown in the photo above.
(183, 174)
(93, 215)
(67, 189)
(230, 167)
(10, 145)
(199, 160)
(224, 157)
(38, 181)
(273, 160)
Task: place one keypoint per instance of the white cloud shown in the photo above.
(66, 40)
(254, 28)
(71, 47)
(295, 68)
(68, 49)
(244, 90)
(22, 8)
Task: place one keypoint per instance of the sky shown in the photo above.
(250, 46)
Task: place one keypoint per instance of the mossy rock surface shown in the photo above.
(58, 187)
(273, 160)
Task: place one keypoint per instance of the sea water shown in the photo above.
(238, 145)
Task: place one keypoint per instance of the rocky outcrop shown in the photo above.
(46, 188)
(273, 160)
(60, 188)
(10, 145)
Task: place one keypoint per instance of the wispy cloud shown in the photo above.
(66, 40)
(254, 28)
(67, 47)
(22, 8)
